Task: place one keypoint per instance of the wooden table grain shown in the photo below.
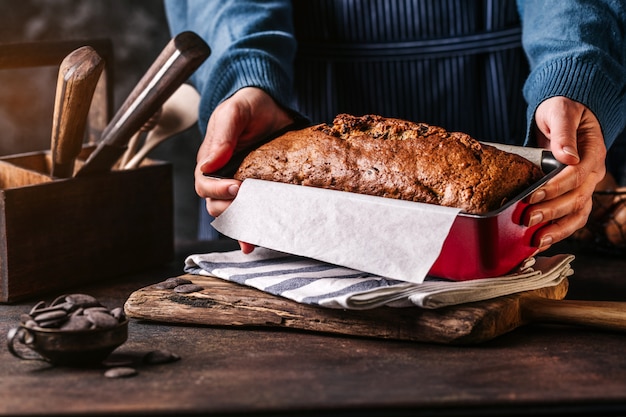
(538, 369)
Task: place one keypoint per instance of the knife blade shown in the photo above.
(79, 73)
(538, 156)
(178, 60)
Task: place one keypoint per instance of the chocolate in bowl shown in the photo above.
(75, 330)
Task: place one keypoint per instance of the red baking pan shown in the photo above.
(492, 244)
(478, 245)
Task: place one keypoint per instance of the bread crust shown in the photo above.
(394, 158)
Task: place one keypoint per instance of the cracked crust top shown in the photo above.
(396, 159)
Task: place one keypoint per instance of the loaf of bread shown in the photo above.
(396, 159)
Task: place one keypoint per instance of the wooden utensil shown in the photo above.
(78, 76)
(138, 138)
(608, 315)
(178, 60)
(224, 303)
(179, 113)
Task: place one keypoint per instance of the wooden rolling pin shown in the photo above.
(608, 315)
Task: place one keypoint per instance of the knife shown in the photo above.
(538, 156)
(78, 76)
(178, 60)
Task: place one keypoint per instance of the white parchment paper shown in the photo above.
(391, 238)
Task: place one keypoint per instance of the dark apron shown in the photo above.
(412, 67)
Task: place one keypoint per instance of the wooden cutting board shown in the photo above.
(223, 303)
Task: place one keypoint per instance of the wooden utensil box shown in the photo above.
(57, 233)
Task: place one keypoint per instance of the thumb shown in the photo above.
(212, 158)
(218, 145)
(563, 146)
(558, 121)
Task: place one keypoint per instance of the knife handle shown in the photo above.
(178, 60)
(78, 76)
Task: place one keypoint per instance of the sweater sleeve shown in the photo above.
(252, 45)
(577, 49)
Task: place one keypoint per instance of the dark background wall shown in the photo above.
(138, 30)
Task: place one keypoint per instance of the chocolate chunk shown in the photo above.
(172, 283)
(59, 299)
(101, 319)
(92, 309)
(31, 324)
(120, 372)
(36, 307)
(49, 324)
(188, 288)
(50, 315)
(118, 314)
(165, 285)
(82, 300)
(77, 323)
(25, 317)
(55, 307)
(178, 280)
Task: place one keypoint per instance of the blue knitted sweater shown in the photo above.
(456, 63)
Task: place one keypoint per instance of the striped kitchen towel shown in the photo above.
(313, 282)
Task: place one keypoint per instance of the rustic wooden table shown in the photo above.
(539, 369)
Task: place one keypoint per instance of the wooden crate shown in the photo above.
(57, 233)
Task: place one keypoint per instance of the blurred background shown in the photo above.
(138, 31)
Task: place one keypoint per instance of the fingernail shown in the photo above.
(545, 241)
(233, 190)
(213, 177)
(571, 151)
(537, 196)
(535, 218)
(204, 167)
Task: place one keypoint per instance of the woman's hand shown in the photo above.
(573, 134)
(248, 115)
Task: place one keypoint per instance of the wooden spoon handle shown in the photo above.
(608, 315)
(139, 137)
(142, 152)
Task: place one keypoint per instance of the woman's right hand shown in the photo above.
(248, 115)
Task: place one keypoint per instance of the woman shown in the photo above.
(458, 64)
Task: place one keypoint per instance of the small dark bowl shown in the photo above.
(66, 348)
